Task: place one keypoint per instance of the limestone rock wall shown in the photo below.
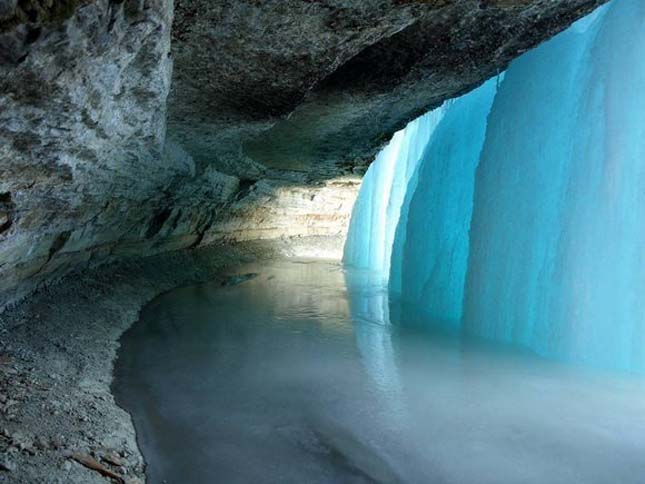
(82, 126)
(323, 84)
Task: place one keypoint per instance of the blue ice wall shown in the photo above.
(521, 191)
(376, 213)
(455, 130)
(430, 258)
(558, 232)
(551, 183)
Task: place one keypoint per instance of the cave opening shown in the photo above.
(323, 241)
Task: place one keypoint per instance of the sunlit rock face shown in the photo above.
(273, 208)
(108, 150)
(524, 219)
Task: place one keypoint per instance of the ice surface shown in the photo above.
(303, 375)
(536, 202)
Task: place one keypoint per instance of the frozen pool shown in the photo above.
(306, 374)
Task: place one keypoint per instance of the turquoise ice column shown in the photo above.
(558, 232)
(384, 187)
(431, 249)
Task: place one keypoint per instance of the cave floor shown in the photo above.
(304, 371)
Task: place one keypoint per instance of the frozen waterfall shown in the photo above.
(382, 194)
(517, 212)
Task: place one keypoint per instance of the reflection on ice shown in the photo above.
(307, 373)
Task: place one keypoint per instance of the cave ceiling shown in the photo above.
(319, 86)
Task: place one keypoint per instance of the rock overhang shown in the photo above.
(131, 127)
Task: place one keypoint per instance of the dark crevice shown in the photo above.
(157, 222)
(201, 232)
(175, 221)
(58, 243)
(5, 221)
(6, 212)
(245, 187)
(32, 35)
